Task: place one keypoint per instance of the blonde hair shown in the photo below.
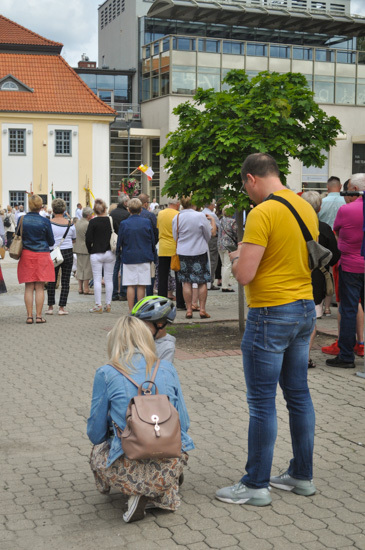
(100, 207)
(128, 335)
(186, 202)
(35, 203)
(135, 206)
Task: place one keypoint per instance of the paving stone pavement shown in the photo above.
(48, 497)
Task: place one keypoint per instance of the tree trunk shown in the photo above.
(241, 300)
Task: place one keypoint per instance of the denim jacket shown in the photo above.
(111, 395)
(37, 232)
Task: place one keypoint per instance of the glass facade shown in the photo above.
(178, 67)
(111, 88)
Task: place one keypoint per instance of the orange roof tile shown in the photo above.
(12, 33)
(57, 88)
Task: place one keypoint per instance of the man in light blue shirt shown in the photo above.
(332, 202)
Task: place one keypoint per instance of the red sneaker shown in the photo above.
(359, 349)
(333, 349)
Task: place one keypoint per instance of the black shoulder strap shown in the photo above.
(67, 230)
(303, 227)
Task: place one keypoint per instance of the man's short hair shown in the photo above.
(358, 180)
(135, 206)
(87, 211)
(333, 182)
(123, 199)
(173, 201)
(259, 164)
(143, 198)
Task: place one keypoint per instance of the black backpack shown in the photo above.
(7, 221)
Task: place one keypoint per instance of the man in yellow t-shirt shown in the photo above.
(272, 263)
(166, 249)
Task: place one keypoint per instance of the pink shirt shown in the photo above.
(349, 226)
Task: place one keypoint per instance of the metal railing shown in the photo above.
(122, 108)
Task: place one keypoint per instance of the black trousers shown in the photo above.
(163, 277)
(66, 269)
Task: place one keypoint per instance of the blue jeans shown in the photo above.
(118, 267)
(351, 291)
(275, 348)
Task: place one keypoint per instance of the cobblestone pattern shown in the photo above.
(48, 498)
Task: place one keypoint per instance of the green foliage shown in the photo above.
(273, 113)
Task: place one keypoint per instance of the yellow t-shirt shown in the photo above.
(283, 275)
(166, 243)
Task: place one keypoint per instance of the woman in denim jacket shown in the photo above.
(154, 482)
(35, 266)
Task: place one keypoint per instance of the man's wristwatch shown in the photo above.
(234, 259)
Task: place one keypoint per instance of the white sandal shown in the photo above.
(49, 312)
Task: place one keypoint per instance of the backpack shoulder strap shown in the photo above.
(306, 234)
(152, 380)
(126, 375)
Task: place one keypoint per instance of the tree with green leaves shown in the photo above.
(272, 113)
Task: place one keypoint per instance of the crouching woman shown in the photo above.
(151, 482)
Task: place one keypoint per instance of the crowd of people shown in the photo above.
(122, 247)
(140, 263)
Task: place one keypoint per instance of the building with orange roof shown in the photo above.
(54, 130)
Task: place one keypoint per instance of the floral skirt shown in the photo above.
(158, 479)
(194, 269)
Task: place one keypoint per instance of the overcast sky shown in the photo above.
(74, 23)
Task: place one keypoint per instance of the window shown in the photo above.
(10, 86)
(233, 48)
(16, 142)
(63, 142)
(325, 55)
(324, 88)
(257, 49)
(183, 79)
(345, 90)
(302, 53)
(280, 51)
(16, 197)
(66, 196)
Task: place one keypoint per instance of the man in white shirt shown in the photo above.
(153, 205)
(78, 213)
(19, 214)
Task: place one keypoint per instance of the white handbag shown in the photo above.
(56, 254)
(113, 238)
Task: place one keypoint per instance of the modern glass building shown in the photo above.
(180, 45)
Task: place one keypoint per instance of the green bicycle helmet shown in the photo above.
(155, 309)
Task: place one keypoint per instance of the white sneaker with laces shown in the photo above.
(304, 487)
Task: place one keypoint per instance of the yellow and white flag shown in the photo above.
(146, 170)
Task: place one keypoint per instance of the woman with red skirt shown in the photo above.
(35, 266)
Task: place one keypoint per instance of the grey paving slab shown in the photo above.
(48, 498)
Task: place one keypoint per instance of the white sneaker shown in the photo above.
(136, 508)
(286, 482)
(96, 309)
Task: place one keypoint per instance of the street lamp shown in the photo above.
(128, 118)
